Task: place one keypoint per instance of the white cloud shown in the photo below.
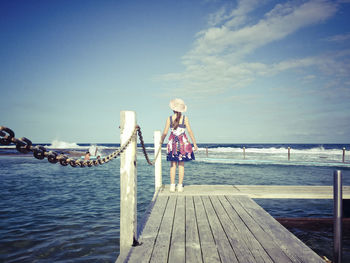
(339, 38)
(217, 75)
(335, 64)
(217, 17)
(217, 60)
(236, 17)
(283, 20)
(309, 77)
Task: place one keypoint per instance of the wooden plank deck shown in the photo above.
(219, 227)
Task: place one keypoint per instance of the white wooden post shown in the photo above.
(128, 183)
(158, 163)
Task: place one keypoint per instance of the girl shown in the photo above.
(179, 149)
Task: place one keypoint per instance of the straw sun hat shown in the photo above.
(178, 105)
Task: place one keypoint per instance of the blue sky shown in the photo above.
(249, 71)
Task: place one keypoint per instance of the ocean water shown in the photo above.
(51, 213)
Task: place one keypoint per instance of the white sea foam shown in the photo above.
(316, 155)
(318, 150)
(274, 150)
(56, 144)
(7, 146)
(224, 149)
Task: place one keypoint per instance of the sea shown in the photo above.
(52, 213)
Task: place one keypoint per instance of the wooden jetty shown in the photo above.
(206, 223)
(204, 227)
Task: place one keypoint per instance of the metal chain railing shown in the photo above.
(144, 149)
(24, 145)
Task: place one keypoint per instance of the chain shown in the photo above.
(24, 145)
(144, 149)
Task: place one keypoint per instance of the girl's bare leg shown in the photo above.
(172, 172)
(181, 172)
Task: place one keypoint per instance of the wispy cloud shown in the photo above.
(283, 20)
(330, 63)
(217, 61)
(234, 17)
(309, 77)
(339, 38)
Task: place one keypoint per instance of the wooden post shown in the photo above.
(158, 163)
(343, 154)
(206, 151)
(128, 183)
(288, 153)
(244, 152)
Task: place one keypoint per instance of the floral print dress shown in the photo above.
(179, 149)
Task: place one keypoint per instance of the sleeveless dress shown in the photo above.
(179, 149)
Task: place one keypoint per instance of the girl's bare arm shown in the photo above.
(165, 132)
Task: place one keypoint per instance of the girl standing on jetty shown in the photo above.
(179, 148)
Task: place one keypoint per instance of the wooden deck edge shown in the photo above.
(120, 259)
(262, 191)
(147, 213)
(140, 227)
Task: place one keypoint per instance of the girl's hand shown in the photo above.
(195, 148)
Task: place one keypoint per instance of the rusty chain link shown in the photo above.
(144, 149)
(24, 145)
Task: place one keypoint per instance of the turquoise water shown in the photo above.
(51, 213)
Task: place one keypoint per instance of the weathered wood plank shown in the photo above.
(269, 245)
(290, 244)
(242, 252)
(162, 245)
(193, 250)
(207, 243)
(245, 235)
(226, 252)
(177, 244)
(149, 234)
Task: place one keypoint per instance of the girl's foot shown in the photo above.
(180, 188)
(172, 188)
